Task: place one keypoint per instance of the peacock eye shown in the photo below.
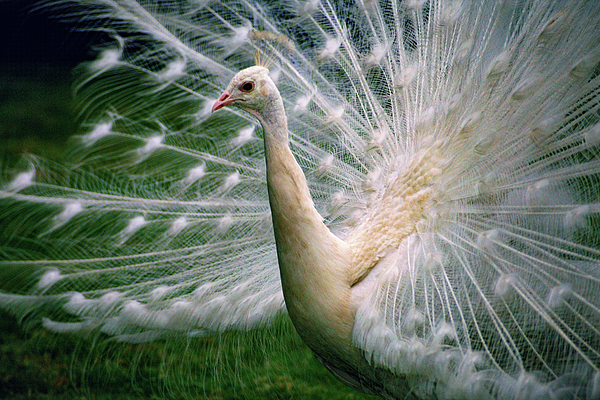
(247, 87)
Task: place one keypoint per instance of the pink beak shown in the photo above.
(223, 101)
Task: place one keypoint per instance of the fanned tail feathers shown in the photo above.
(159, 225)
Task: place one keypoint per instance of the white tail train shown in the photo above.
(422, 187)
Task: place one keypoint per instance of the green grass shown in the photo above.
(36, 116)
(265, 364)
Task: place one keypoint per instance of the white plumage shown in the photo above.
(450, 148)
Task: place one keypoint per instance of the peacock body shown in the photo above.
(427, 203)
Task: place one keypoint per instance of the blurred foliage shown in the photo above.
(36, 109)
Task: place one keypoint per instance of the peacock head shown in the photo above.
(251, 89)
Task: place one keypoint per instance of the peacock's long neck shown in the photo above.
(313, 262)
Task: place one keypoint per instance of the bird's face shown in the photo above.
(249, 90)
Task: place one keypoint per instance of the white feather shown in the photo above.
(455, 141)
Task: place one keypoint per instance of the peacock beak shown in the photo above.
(223, 101)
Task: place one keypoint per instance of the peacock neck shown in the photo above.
(313, 262)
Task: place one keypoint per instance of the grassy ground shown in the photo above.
(268, 364)
(36, 116)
